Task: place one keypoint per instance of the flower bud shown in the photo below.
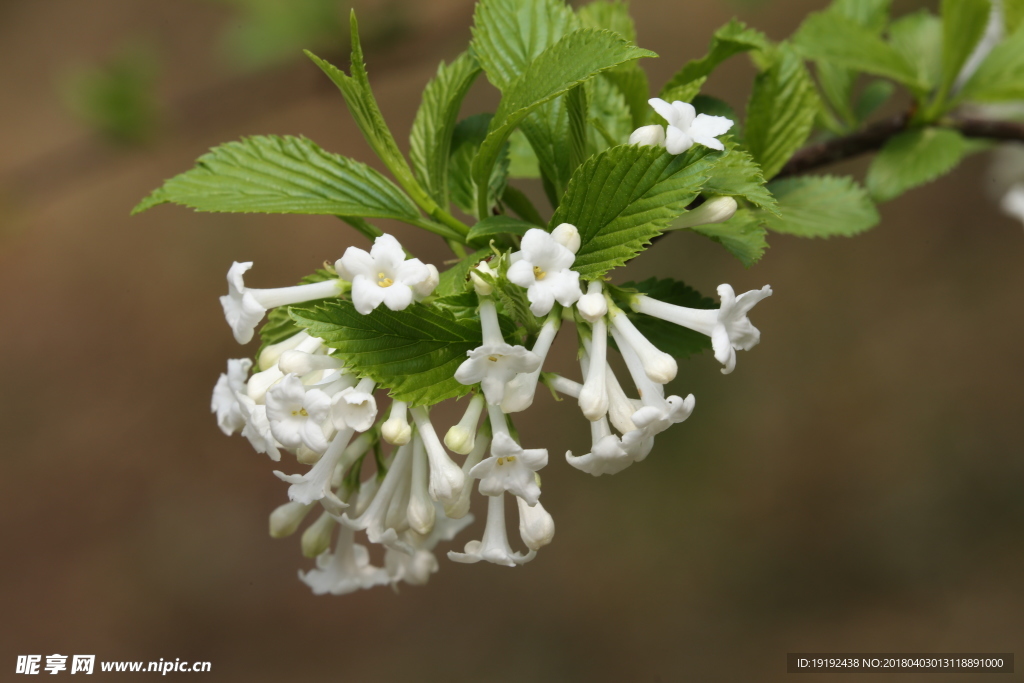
(258, 384)
(459, 439)
(396, 429)
(317, 537)
(592, 305)
(287, 518)
(268, 358)
(536, 526)
(483, 288)
(648, 136)
(714, 210)
(427, 287)
(568, 236)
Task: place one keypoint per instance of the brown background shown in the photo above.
(856, 484)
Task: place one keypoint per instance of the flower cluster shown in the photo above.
(307, 399)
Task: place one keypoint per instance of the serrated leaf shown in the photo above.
(455, 280)
(675, 340)
(466, 139)
(522, 159)
(836, 84)
(1000, 77)
(611, 121)
(498, 225)
(732, 39)
(613, 16)
(430, 140)
(521, 205)
(363, 106)
(574, 59)
(874, 95)
(631, 80)
(272, 174)
(279, 325)
(743, 235)
(821, 206)
(576, 109)
(918, 38)
(832, 37)
(509, 34)
(913, 158)
(681, 93)
(738, 175)
(623, 197)
(413, 353)
(781, 112)
(963, 24)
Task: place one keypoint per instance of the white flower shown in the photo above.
(461, 437)
(607, 454)
(244, 307)
(480, 284)
(519, 391)
(686, 127)
(536, 527)
(396, 429)
(272, 353)
(494, 547)
(459, 507)
(355, 407)
(728, 326)
(316, 539)
(542, 266)
(297, 416)
(257, 427)
(346, 570)
(446, 478)
(495, 362)
(225, 401)
(1012, 202)
(381, 276)
(510, 468)
(427, 287)
(316, 484)
(374, 519)
(298, 362)
(416, 568)
(593, 400)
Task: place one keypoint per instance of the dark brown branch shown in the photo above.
(874, 136)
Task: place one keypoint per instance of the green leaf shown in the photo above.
(279, 325)
(430, 140)
(613, 16)
(743, 235)
(963, 24)
(522, 159)
(675, 340)
(631, 80)
(681, 93)
(363, 106)
(837, 86)
(271, 174)
(498, 225)
(455, 280)
(874, 95)
(1001, 76)
(509, 34)
(466, 140)
(832, 37)
(871, 14)
(521, 204)
(611, 121)
(574, 59)
(1013, 15)
(732, 39)
(913, 158)
(623, 197)
(781, 112)
(738, 175)
(918, 38)
(413, 353)
(821, 206)
(576, 107)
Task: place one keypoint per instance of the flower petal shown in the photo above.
(387, 252)
(676, 141)
(710, 126)
(664, 109)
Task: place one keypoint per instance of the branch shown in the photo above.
(874, 136)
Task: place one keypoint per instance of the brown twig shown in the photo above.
(874, 136)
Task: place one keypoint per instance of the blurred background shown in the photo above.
(856, 485)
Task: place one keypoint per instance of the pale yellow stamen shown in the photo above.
(383, 280)
(538, 273)
(493, 359)
(501, 461)
(300, 411)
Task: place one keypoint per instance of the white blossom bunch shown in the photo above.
(353, 358)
